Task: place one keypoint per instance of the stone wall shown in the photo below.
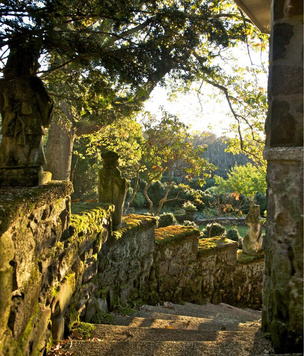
(32, 223)
(45, 255)
(283, 287)
(58, 268)
(205, 270)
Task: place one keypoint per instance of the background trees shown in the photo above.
(102, 59)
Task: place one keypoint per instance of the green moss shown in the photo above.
(89, 217)
(102, 318)
(84, 329)
(55, 291)
(134, 223)
(244, 258)
(29, 328)
(210, 244)
(174, 234)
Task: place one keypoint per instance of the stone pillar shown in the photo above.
(112, 187)
(283, 282)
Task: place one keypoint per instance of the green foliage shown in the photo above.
(139, 201)
(156, 191)
(233, 234)
(213, 229)
(189, 206)
(166, 219)
(190, 223)
(246, 180)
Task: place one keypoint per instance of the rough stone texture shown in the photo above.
(283, 285)
(57, 268)
(124, 264)
(45, 253)
(192, 270)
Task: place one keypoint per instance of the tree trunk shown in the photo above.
(59, 151)
(150, 202)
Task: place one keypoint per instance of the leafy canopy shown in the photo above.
(247, 180)
(116, 51)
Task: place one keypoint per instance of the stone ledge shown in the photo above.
(211, 244)
(283, 153)
(175, 234)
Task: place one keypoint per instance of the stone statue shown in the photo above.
(25, 109)
(252, 243)
(112, 187)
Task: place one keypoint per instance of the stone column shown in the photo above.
(112, 187)
(283, 282)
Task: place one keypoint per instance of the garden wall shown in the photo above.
(57, 268)
(205, 270)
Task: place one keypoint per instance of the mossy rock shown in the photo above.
(210, 244)
(174, 234)
(244, 258)
(134, 223)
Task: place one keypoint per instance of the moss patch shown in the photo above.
(244, 258)
(212, 243)
(174, 234)
(88, 217)
(135, 223)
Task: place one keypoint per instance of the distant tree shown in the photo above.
(168, 149)
(216, 152)
(247, 180)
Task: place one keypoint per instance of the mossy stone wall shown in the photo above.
(57, 268)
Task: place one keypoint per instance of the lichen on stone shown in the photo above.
(19, 201)
(244, 258)
(210, 244)
(133, 222)
(174, 234)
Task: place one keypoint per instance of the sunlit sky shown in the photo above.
(209, 114)
(200, 116)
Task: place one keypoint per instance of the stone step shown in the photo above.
(119, 333)
(224, 346)
(177, 330)
(190, 316)
(165, 321)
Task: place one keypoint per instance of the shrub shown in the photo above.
(213, 229)
(189, 206)
(166, 219)
(139, 200)
(156, 191)
(233, 234)
(190, 223)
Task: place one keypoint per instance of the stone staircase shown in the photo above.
(171, 329)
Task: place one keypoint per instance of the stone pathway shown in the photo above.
(177, 330)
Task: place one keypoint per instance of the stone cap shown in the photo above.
(283, 153)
